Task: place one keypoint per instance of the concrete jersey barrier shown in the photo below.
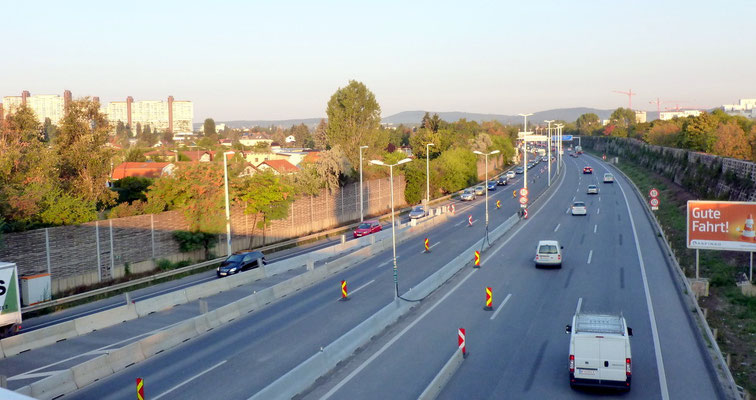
(443, 376)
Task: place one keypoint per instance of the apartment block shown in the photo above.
(168, 116)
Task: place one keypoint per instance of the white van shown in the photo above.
(548, 253)
(600, 351)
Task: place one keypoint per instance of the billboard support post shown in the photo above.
(696, 264)
(750, 274)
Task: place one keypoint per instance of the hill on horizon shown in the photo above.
(414, 118)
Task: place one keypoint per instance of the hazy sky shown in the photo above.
(284, 59)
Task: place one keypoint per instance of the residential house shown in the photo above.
(162, 155)
(290, 139)
(199, 155)
(142, 169)
(226, 142)
(255, 139)
(279, 167)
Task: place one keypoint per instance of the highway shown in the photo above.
(612, 262)
(249, 353)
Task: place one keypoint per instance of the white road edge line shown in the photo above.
(34, 376)
(579, 306)
(431, 247)
(652, 316)
(557, 227)
(190, 379)
(400, 334)
(590, 255)
(503, 303)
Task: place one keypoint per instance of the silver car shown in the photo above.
(593, 189)
(417, 212)
(467, 195)
(480, 190)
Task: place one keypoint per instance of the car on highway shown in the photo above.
(600, 352)
(548, 253)
(367, 227)
(530, 165)
(578, 208)
(519, 170)
(480, 190)
(467, 195)
(592, 189)
(502, 181)
(608, 178)
(573, 155)
(587, 170)
(417, 212)
(492, 185)
(240, 261)
(510, 174)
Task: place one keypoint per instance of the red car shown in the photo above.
(587, 170)
(366, 228)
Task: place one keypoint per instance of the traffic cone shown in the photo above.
(748, 233)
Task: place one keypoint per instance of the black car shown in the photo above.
(240, 261)
(502, 181)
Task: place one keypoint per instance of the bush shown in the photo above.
(190, 241)
(163, 264)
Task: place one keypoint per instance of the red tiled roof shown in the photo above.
(312, 156)
(195, 155)
(161, 153)
(140, 169)
(282, 166)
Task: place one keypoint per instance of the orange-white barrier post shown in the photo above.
(489, 300)
(461, 341)
(427, 245)
(344, 291)
(477, 259)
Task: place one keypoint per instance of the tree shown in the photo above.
(49, 130)
(301, 135)
(83, 161)
(132, 188)
(139, 129)
(209, 127)
(457, 169)
(419, 140)
(732, 142)
(267, 194)
(698, 133)
(197, 190)
(66, 209)
(431, 123)
(135, 155)
(588, 123)
(320, 137)
(663, 133)
(354, 117)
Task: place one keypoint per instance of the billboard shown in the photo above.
(721, 225)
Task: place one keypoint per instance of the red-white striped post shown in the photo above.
(461, 340)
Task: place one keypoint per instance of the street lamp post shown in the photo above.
(525, 149)
(548, 145)
(393, 224)
(486, 155)
(427, 175)
(361, 202)
(228, 209)
(559, 147)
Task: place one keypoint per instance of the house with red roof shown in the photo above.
(279, 167)
(142, 169)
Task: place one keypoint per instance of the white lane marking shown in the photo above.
(577, 188)
(568, 210)
(590, 255)
(393, 340)
(459, 223)
(598, 211)
(430, 247)
(190, 379)
(573, 198)
(652, 317)
(503, 303)
(557, 227)
(579, 306)
(387, 262)
(355, 290)
(594, 228)
(33, 376)
(599, 198)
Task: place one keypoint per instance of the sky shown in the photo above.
(284, 59)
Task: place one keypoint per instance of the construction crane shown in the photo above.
(629, 95)
(659, 102)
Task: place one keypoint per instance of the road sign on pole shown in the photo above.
(523, 200)
(654, 202)
(653, 192)
(524, 192)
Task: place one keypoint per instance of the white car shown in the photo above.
(510, 174)
(593, 189)
(608, 178)
(548, 253)
(467, 195)
(578, 208)
(600, 351)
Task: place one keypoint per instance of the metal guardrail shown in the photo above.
(703, 324)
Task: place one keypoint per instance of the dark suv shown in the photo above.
(240, 261)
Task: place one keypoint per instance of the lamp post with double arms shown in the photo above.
(361, 202)
(427, 175)
(393, 224)
(486, 156)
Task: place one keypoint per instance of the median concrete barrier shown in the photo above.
(168, 338)
(54, 385)
(91, 370)
(443, 377)
(159, 303)
(125, 356)
(38, 338)
(208, 289)
(105, 319)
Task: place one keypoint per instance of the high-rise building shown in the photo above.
(170, 116)
(44, 105)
